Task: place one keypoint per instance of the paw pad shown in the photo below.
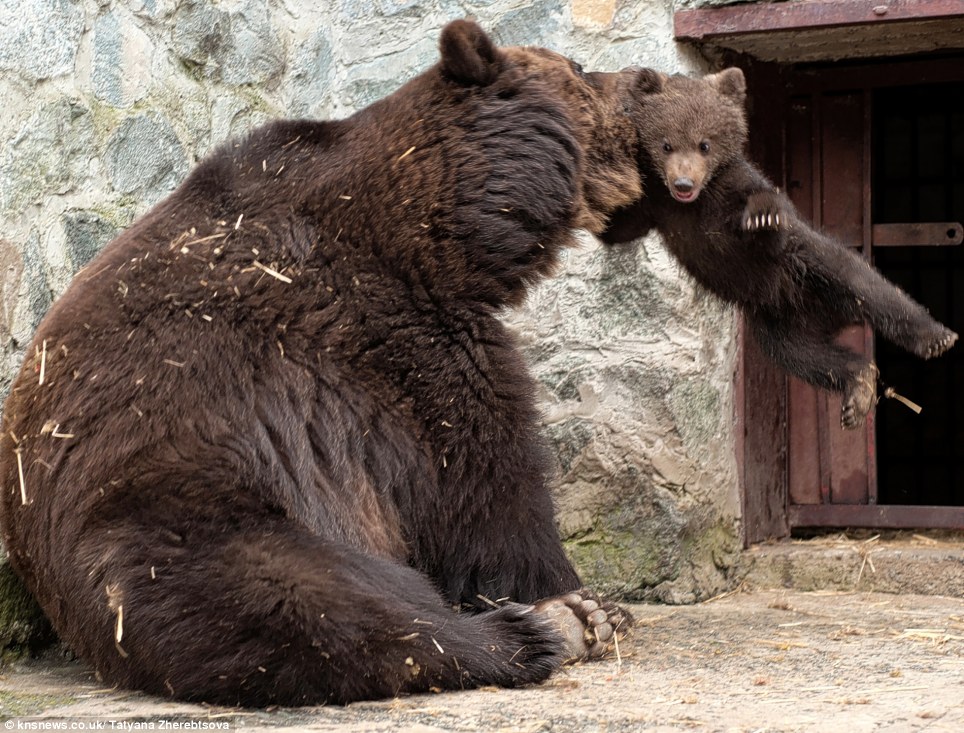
(589, 626)
(859, 398)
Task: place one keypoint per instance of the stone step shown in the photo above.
(905, 564)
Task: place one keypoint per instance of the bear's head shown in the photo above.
(560, 134)
(690, 128)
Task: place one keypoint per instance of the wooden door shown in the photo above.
(813, 132)
(826, 178)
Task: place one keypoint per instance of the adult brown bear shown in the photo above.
(276, 428)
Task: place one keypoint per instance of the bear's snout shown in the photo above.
(685, 176)
(683, 189)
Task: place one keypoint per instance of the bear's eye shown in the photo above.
(667, 148)
(577, 68)
(705, 146)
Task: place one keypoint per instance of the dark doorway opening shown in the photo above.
(918, 176)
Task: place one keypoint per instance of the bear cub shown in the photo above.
(280, 430)
(741, 239)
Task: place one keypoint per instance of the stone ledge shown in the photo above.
(923, 566)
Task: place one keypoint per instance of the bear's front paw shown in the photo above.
(590, 625)
(765, 210)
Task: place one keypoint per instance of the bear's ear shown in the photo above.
(468, 54)
(731, 83)
(649, 81)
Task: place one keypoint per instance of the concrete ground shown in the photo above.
(774, 660)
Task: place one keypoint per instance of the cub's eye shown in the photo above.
(705, 146)
(667, 148)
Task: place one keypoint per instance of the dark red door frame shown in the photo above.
(769, 442)
(707, 24)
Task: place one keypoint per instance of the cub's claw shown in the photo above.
(941, 344)
(764, 210)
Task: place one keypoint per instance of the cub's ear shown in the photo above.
(468, 54)
(729, 82)
(649, 81)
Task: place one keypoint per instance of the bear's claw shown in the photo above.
(764, 210)
(938, 346)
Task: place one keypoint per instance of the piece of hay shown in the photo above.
(890, 393)
(43, 362)
(23, 485)
(273, 273)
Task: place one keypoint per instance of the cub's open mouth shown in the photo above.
(684, 197)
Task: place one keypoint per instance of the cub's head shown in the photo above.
(689, 128)
(573, 133)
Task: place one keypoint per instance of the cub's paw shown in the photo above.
(935, 343)
(765, 211)
(589, 624)
(859, 398)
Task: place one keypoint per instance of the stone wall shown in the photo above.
(108, 104)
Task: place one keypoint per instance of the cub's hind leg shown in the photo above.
(888, 309)
(823, 364)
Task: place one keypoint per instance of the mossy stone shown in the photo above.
(24, 630)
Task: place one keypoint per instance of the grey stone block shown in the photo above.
(25, 296)
(145, 158)
(532, 24)
(86, 232)
(255, 54)
(309, 77)
(49, 155)
(39, 39)
(24, 629)
(198, 33)
(239, 46)
(123, 54)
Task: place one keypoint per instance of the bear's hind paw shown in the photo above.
(590, 625)
(941, 344)
(859, 398)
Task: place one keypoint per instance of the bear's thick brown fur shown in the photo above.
(741, 239)
(280, 429)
